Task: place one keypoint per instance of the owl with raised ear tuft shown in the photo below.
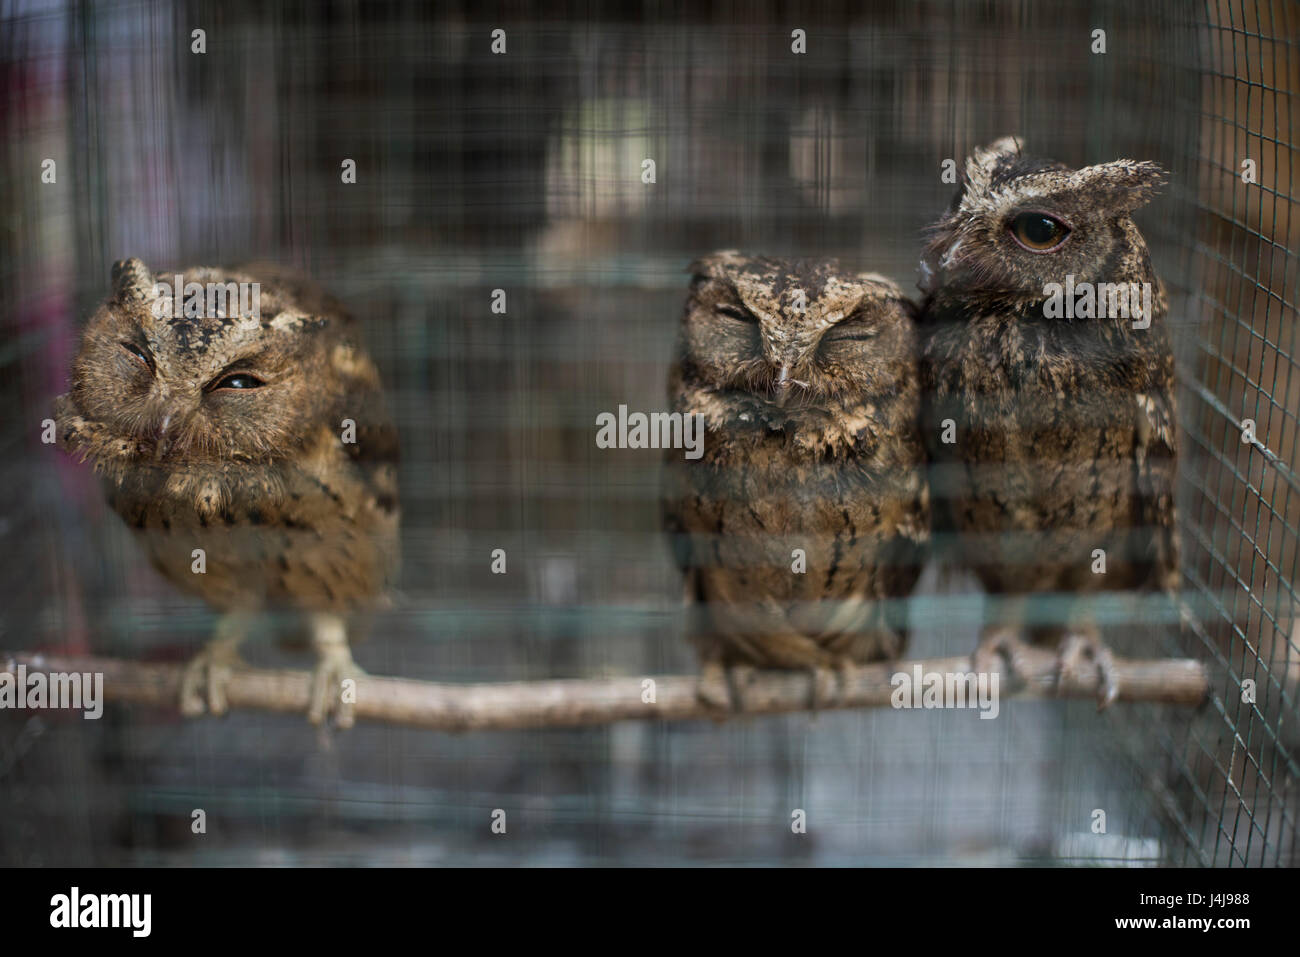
(240, 431)
(801, 526)
(1049, 395)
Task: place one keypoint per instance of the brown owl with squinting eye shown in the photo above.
(801, 526)
(1049, 395)
(246, 443)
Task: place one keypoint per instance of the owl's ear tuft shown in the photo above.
(716, 265)
(1123, 185)
(132, 280)
(985, 161)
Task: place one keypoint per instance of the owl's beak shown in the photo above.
(163, 441)
(783, 383)
(783, 387)
(928, 274)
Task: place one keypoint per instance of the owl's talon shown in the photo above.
(192, 705)
(1076, 646)
(218, 678)
(722, 687)
(711, 687)
(327, 690)
(206, 676)
(1004, 644)
(334, 666)
(830, 685)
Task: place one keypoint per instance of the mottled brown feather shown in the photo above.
(837, 470)
(287, 513)
(1065, 428)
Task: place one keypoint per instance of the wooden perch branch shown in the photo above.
(594, 701)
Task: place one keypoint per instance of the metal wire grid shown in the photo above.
(1234, 772)
(513, 178)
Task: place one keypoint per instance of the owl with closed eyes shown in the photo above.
(801, 526)
(1049, 395)
(240, 432)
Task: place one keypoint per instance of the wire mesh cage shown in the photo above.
(521, 171)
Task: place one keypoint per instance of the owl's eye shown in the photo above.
(735, 312)
(240, 380)
(139, 353)
(851, 331)
(1038, 232)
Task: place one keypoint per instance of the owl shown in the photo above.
(241, 433)
(1049, 396)
(801, 525)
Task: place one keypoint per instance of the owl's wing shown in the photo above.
(376, 452)
(906, 553)
(339, 518)
(1154, 460)
(676, 496)
(673, 502)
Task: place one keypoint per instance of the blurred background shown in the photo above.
(522, 172)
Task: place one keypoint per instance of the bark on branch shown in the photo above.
(594, 701)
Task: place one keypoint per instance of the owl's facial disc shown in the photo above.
(788, 340)
(187, 404)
